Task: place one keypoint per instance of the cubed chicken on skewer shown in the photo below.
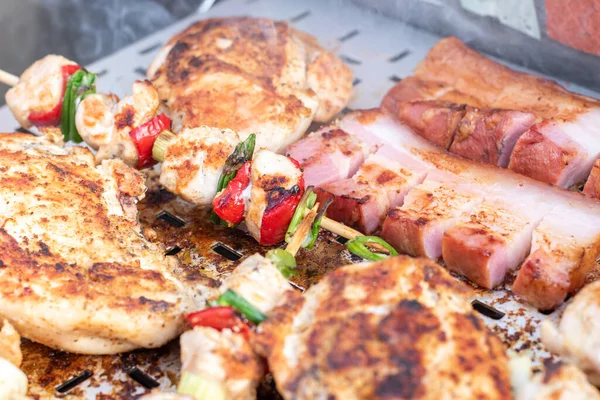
(106, 123)
(252, 75)
(276, 188)
(37, 98)
(217, 361)
(383, 330)
(194, 160)
(75, 225)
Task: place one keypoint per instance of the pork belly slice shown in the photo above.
(562, 149)
(592, 186)
(413, 89)
(328, 155)
(560, 153)
(494, 237)
(565, 247)
(483, 135)
(380, 184)
(489, 136)
(435, 121)
(430, 209)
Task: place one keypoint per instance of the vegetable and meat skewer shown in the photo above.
(130, 128)
(59, 97)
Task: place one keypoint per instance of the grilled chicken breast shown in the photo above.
(251, 75)
(401, 328)
(76, 272)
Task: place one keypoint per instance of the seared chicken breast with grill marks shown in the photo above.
(251, 75)
(76, 272)
(401, 328)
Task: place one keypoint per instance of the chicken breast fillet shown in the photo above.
(251, 75)
(76, 272)
(401, 328)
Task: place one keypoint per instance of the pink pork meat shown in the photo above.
(430, 209)
(565, 247)
(496, 235)
(592, 186)
(559, 150)
(328, 155)
(380, 184)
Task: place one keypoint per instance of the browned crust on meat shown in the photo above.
(344, 349)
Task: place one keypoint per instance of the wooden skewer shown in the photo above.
(8, 79)
(302, 230)
(348, 233)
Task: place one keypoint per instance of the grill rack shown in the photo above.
(381, 52)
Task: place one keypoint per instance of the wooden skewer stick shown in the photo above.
(302, 230)
(8, 79)
(348, 233)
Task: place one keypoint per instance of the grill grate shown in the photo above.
(380, 51)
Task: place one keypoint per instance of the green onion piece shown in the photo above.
(357, 246)
(316, 226)
(201, 387)
(307, 202)
(284, 261)
(231, 298)
(241, 154)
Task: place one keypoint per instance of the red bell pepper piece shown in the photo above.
(219, 318)
(144, 136)
(279, 212)
(230, 204)
(52, 117)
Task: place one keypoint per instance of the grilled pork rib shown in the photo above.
(251, 75)
(383, 330)
(76, 272)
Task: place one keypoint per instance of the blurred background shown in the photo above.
(560, 38)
